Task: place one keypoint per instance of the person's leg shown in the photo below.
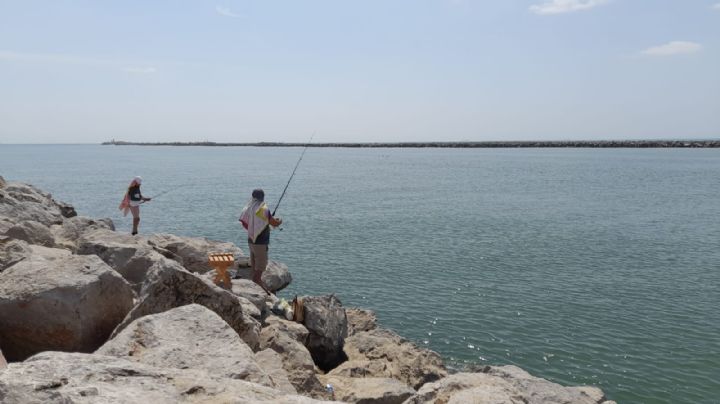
(259, 260)
(135, 210)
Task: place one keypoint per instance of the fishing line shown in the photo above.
(293, 173)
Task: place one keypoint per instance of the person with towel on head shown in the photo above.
(257, 219)
(131, 202)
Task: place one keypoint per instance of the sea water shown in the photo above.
(583, 266)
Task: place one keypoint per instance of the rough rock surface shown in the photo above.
(297, 362)
(185, 337)
(403, 360)
(67, 303)
(32, 232)
(68, 233)
(21, 202)
(58, 377)
(130, 255)
(369, 390)
(506, 384)
(271, 363)
(192, 252)
(169, 285)
(250, 291)
(3, 362)
(325, 319)
(275, 325)
(12, 251)
(276, 276)
(360, 320)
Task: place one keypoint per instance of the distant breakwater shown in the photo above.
(456, 145)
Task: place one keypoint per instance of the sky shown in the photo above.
(358, 71)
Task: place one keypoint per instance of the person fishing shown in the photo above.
(131, 202)
(257, 219)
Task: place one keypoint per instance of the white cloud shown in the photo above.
(565, 6)
(673, 48)
(140, 70)
(227, 12)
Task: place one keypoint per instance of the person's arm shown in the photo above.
(274, 222)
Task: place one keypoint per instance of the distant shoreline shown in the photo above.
(456, 145)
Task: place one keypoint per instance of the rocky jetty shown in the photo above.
(88, 314)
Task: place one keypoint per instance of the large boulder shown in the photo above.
(58, 377)
(24, 202)
(506, 384)
(62, 302)
(169, 285)
(12, 251)
(32, 232)
(368, 390)
(276, 275)
(250, 291)
(192, 252)
(297, 362)
(272, 363)
(325, 318)
(68, 233)
(185, 337)
(360, 320)
(130, 255)
(3, 362)
(382, 353)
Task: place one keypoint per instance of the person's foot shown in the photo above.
(134, 233)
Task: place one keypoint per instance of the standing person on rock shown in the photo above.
(131, 202)
(257, 219)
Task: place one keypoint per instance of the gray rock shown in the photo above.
(275, 325)
(66, 303)
(402, 359)
(185, 337)
(251, 291)
(32, 232)
(369, 390)
(192, 252)
(360, 320)
(3, 362)
(23, 202)
(68, 233)
(3, 183)
(507, 384)
(66, 210)
(57, 377)
(297, 362)
(11, 252)
(271, 363)
(325, 318)
(276, 276)
(131, 256)
(169, 285)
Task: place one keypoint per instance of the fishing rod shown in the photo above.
(293, 173)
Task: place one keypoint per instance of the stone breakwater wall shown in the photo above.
(88, 314)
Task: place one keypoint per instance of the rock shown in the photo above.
(130, 255)
(64, 302)
(185, 337)
(506, 384)
(325, 319)
(360, 320)
(71, 230)
(60, 377)
(251, 291)
(369, 390)
(3, 362)
(275, 325)
(23, 202)
(3, 183)
(66, 210)
(271, 363)
(169, 285)
(276, 276)
(403, 360)
(11, 252)
(365, 368)
(32, 232)
(297, 362)
(5, 224)
(192, 252)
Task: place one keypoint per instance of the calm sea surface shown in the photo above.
(583, 266)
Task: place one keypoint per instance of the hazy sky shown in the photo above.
(364, 70)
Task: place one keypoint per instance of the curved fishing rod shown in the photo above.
(293, 173)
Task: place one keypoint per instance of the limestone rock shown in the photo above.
(275, 325)
(276, 276)
(11, 252)
(506, 384)
(325, 319)
(130, 255)
(403, 360)
(271, 363)
(192, 252)
(251, 291)
(3, 362)
(297, 362)
(68, 233)
(185, 337)
(369, 390)
(24, 202)
(360, 320)
(169, 285)
(64, 302)
(3, 183)
(58, 377)
(32, 232)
